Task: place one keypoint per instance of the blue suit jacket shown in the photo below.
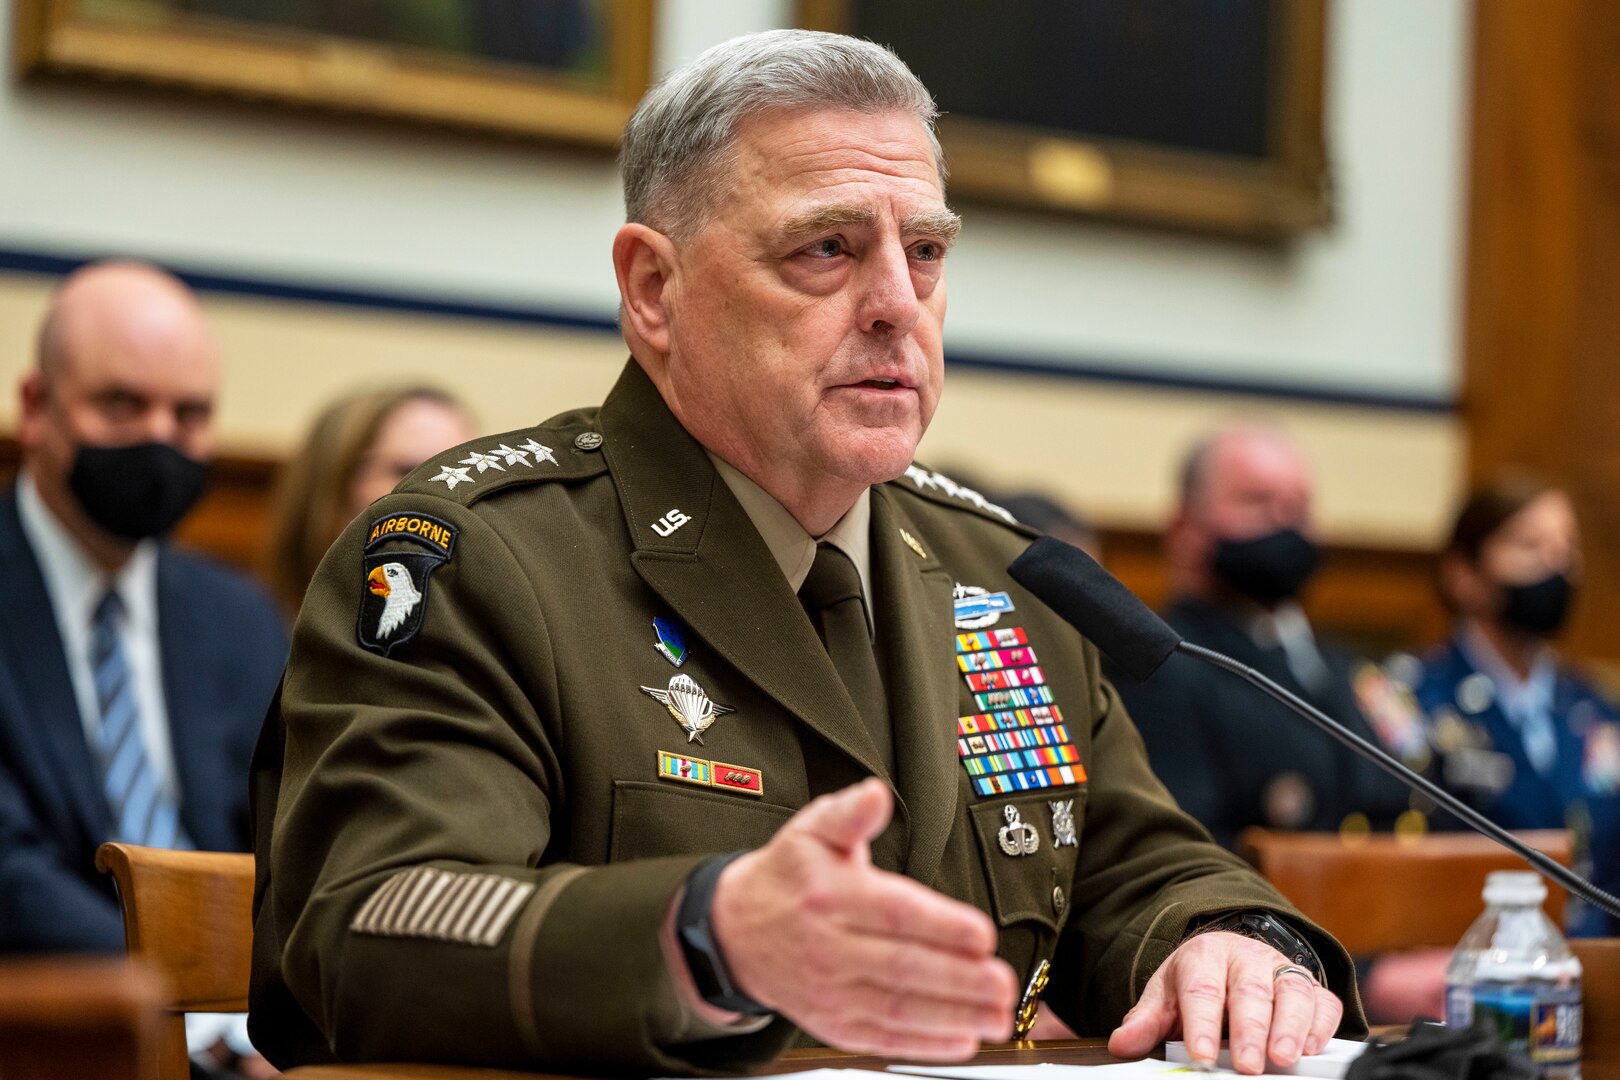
(1532, 800)
(223, 646)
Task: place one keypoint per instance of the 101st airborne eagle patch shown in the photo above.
(394, 597)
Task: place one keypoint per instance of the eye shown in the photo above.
(828, 247)
(928, 251)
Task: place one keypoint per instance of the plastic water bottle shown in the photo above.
(1514, 971)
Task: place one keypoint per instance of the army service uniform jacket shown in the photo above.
(477, 797)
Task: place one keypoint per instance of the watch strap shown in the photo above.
(1266, 928)
(694, 930)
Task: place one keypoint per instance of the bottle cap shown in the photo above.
(1514, 887)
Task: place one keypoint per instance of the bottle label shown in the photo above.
(1540, 1021)
(1555, 1031)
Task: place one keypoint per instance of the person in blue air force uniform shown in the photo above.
(1515, 731)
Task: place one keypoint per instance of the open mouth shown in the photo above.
(880, 384)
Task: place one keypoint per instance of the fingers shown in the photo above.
(1329, 1011)
(1200, 996)
(920, 1015)
(910, 1001)
(1146, 1025)
(848, 819)
(1293, 1012)
(1218, 976)
(895, 906)
(1249, 1008)
(861, 1036)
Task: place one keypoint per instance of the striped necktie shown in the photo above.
(141, 813)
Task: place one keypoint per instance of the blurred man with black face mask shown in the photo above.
(1513, 730)
(1241, 547)
(140, 672)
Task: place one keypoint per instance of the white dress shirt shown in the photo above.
(75, 585)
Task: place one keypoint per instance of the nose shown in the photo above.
(160, 424)
(889, 301)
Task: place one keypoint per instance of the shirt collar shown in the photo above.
(1518, 697)
(72, 578)
(1280, 627)
(790, 545)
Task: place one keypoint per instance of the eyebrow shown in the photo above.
(941, 223)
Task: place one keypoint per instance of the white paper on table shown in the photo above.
(1124, 1070)
(1331, 1064)
(814, 1074)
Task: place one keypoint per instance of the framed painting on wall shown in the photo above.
(562, 69)
(1197, 114)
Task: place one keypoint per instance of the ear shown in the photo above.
(1462, 586)
(35, 399)
(1183, 540)
(644, 261)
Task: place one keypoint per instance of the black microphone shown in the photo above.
(1114, 619)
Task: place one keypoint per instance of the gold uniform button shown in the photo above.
(1058, 899)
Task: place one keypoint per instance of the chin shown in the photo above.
(874, 456)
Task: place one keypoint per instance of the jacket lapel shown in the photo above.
(193, 737)
(714, 570)
(922, 678)
(34, 652)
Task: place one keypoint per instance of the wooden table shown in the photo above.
(1061, 1051)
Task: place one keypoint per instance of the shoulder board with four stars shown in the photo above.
(939, 488)
(564, 449)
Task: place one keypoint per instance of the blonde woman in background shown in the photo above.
(356, 451)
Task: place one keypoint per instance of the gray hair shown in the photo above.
(684, 131)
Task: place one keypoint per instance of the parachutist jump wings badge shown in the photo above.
(689, 705)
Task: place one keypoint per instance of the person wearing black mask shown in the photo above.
(1518, 733)
(1241, 548)
(141, 672)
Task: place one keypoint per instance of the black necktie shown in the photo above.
(832, 597)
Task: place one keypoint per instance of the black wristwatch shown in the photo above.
(695, 931)
(1265, 927)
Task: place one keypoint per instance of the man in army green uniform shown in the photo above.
(663, 733)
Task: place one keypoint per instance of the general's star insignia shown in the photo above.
(512, 457)
(541, 453)
(689, 705)
(482, 461)
(452, 476)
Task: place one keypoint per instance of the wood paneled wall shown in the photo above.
(1542, 333)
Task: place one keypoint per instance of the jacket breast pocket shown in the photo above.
(1029, 846)
(652, 819)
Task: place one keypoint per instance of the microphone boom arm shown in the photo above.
(1548, 867)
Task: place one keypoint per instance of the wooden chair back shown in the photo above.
(1600, 990)
(188, 915)
(1381, 893)
(65, 1018)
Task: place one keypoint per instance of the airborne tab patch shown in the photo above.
(394, 599)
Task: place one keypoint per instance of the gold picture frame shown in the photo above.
(168, 43)
(1284, 193)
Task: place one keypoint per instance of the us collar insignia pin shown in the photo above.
(1063, 823)
(911, 542)
(671, 643)
(1017, 837)
(689, 705)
